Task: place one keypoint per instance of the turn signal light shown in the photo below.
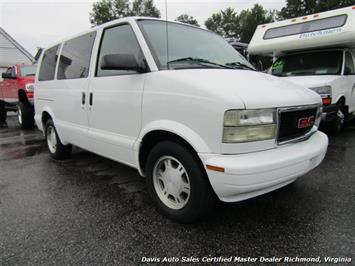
(215, 168)
(327, 101)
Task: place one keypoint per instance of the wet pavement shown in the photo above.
(91, 210)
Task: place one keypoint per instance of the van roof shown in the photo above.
(335, 28)
(112, 23)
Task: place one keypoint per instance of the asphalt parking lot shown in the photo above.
(90, 210)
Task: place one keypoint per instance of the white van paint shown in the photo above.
(191, 105)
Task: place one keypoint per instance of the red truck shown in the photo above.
(16, 92)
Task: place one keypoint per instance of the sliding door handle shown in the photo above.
(91, 96)
(83, 96)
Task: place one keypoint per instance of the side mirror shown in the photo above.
(6, 75)
(120, 62)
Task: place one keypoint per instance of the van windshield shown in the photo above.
(189, 47)
(312, 63)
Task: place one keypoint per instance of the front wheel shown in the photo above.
(25, 115)
(56, 149)
(337, 124)
(178, 183)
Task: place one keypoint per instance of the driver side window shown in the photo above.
(349, 64)
(118, 40)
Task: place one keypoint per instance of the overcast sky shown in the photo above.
(39, 23)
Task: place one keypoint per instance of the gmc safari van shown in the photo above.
(188, 112)
(317, 52)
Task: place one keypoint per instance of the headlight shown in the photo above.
(29, 87)
(249, 125)
(325, 92)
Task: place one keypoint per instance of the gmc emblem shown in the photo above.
(306, 122)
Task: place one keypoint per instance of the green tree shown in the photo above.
(184, 18)
(297, 8)
(249, 19)
(224, 23)
(229, 24)
(107, 10)
(144, 8)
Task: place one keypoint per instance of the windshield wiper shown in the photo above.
(240, 65)
(199, 61)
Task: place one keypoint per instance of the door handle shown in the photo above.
(83, 96)
(91, 96)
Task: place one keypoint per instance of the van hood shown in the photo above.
(254, 89)
(312, 81)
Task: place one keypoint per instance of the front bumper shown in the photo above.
(252, 174)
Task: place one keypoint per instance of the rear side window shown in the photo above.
(48, 64)
(75, 57)
(118, 40)
(315, 25)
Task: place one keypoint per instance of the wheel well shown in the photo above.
(345, 108)
(45, 117)
(22, 97)
(342, 100)
(153, 138)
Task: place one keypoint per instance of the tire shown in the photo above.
(56, 149)
(25, 115)
(169, 190)
(3, 113)
(336, 125)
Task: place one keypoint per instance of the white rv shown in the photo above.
(317, 52)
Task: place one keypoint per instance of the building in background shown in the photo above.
(11, 52)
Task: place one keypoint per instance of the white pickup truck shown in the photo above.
(317, 52)
(187, 111)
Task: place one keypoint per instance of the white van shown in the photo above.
(317, 52)
(189, 113)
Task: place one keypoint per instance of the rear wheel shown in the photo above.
(178, 183)
(56, 149)
(25, 115)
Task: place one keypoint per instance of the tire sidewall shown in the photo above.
(199, 189)
(337, 125)
(27, 115)
(51, 124)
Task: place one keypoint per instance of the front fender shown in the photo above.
(190, 136)
(186, 133)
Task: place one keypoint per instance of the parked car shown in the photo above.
(191, 114)
(315, 51)
(16, 90)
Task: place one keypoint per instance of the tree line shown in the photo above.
(228, 23)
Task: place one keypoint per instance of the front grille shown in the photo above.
(289, 123)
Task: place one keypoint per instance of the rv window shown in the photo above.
(47, 70)
(312, 63)
(310, 26)
(349, 63)
(75, 57)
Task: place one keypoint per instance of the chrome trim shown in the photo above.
(295, 108)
